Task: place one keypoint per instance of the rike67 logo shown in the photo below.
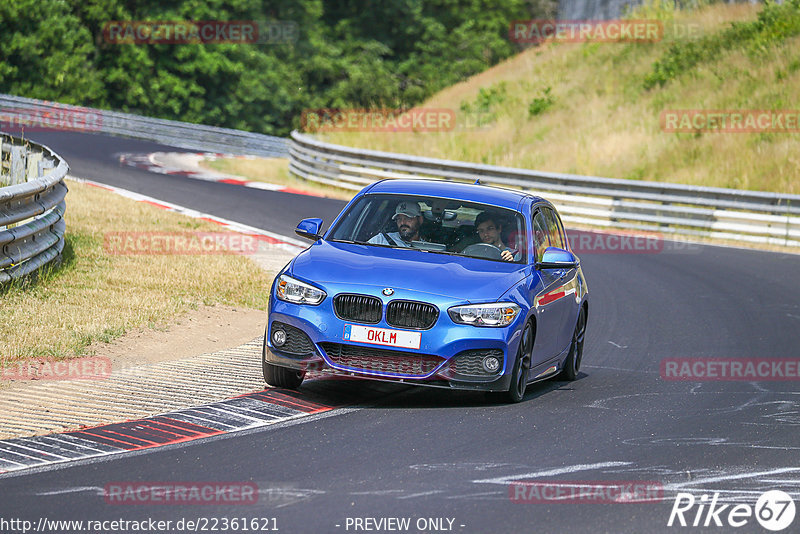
(774, 510)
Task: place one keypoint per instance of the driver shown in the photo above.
(408, 218)
(489, 232)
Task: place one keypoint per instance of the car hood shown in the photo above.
(456, 277)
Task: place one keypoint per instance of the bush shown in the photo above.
(541, 104)
(347, 54)
(775, 23)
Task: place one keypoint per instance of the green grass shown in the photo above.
(774, 25)
(96, 296)
(594, 108)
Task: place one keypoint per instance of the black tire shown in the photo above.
(522, 363)
(279, 377)
(573, 362)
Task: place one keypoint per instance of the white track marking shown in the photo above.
(550, 472)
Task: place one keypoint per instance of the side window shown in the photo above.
(540, 234)
(554, 229)
(562, 231)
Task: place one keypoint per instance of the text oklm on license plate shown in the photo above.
(382, 336)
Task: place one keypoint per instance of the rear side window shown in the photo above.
(540, 234)
(561, 229)
(554, 229)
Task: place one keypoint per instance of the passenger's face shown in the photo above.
(408, 226)
(488, 232)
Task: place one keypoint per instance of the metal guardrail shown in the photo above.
(32, 206)
(752, 216)
(39, 114)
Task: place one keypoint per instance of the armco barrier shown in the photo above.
(32, 206)
(37, 114)
(751, 216)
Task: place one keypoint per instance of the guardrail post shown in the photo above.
(45, 166)
(4, 179)
(33, 160)
(788, 220)
(614, 201)
(17, 161)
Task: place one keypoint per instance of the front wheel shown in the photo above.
(519, 378)
(573, 362)
(279, 377)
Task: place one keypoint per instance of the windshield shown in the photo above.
(435, 224)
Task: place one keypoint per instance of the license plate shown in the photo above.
(382, 336)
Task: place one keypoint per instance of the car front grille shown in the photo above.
(297, 342)
(358, 308)
(470, 362)
(410, 314)
(381, 360)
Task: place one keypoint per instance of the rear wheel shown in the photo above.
(279, 377)
(573, 363)
(522, 363)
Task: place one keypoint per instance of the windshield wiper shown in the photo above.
(385, 245)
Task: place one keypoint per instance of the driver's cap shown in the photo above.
(409, 209)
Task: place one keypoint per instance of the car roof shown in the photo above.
(485, 194)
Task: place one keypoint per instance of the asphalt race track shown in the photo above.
(96, 157)
(445, 460)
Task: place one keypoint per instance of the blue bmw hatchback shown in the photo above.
(433, 283)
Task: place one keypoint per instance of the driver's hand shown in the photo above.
(506, 255)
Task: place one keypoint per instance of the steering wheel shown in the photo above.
(483, 250)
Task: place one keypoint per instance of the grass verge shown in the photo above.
(94, 295)
(595, 108)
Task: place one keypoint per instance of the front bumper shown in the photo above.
(449, 355)
(317, 363)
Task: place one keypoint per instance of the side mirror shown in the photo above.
(309, 228)
(556, 258)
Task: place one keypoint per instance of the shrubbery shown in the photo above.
(774, 24)
(392, 54)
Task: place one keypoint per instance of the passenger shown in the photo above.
(489, 231)
(408, 218)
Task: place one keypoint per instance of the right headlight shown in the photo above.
(495, 314)
(292, 290)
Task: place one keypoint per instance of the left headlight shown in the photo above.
(298, 292)
(495, 314)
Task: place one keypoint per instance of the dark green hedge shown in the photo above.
(368, 53)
